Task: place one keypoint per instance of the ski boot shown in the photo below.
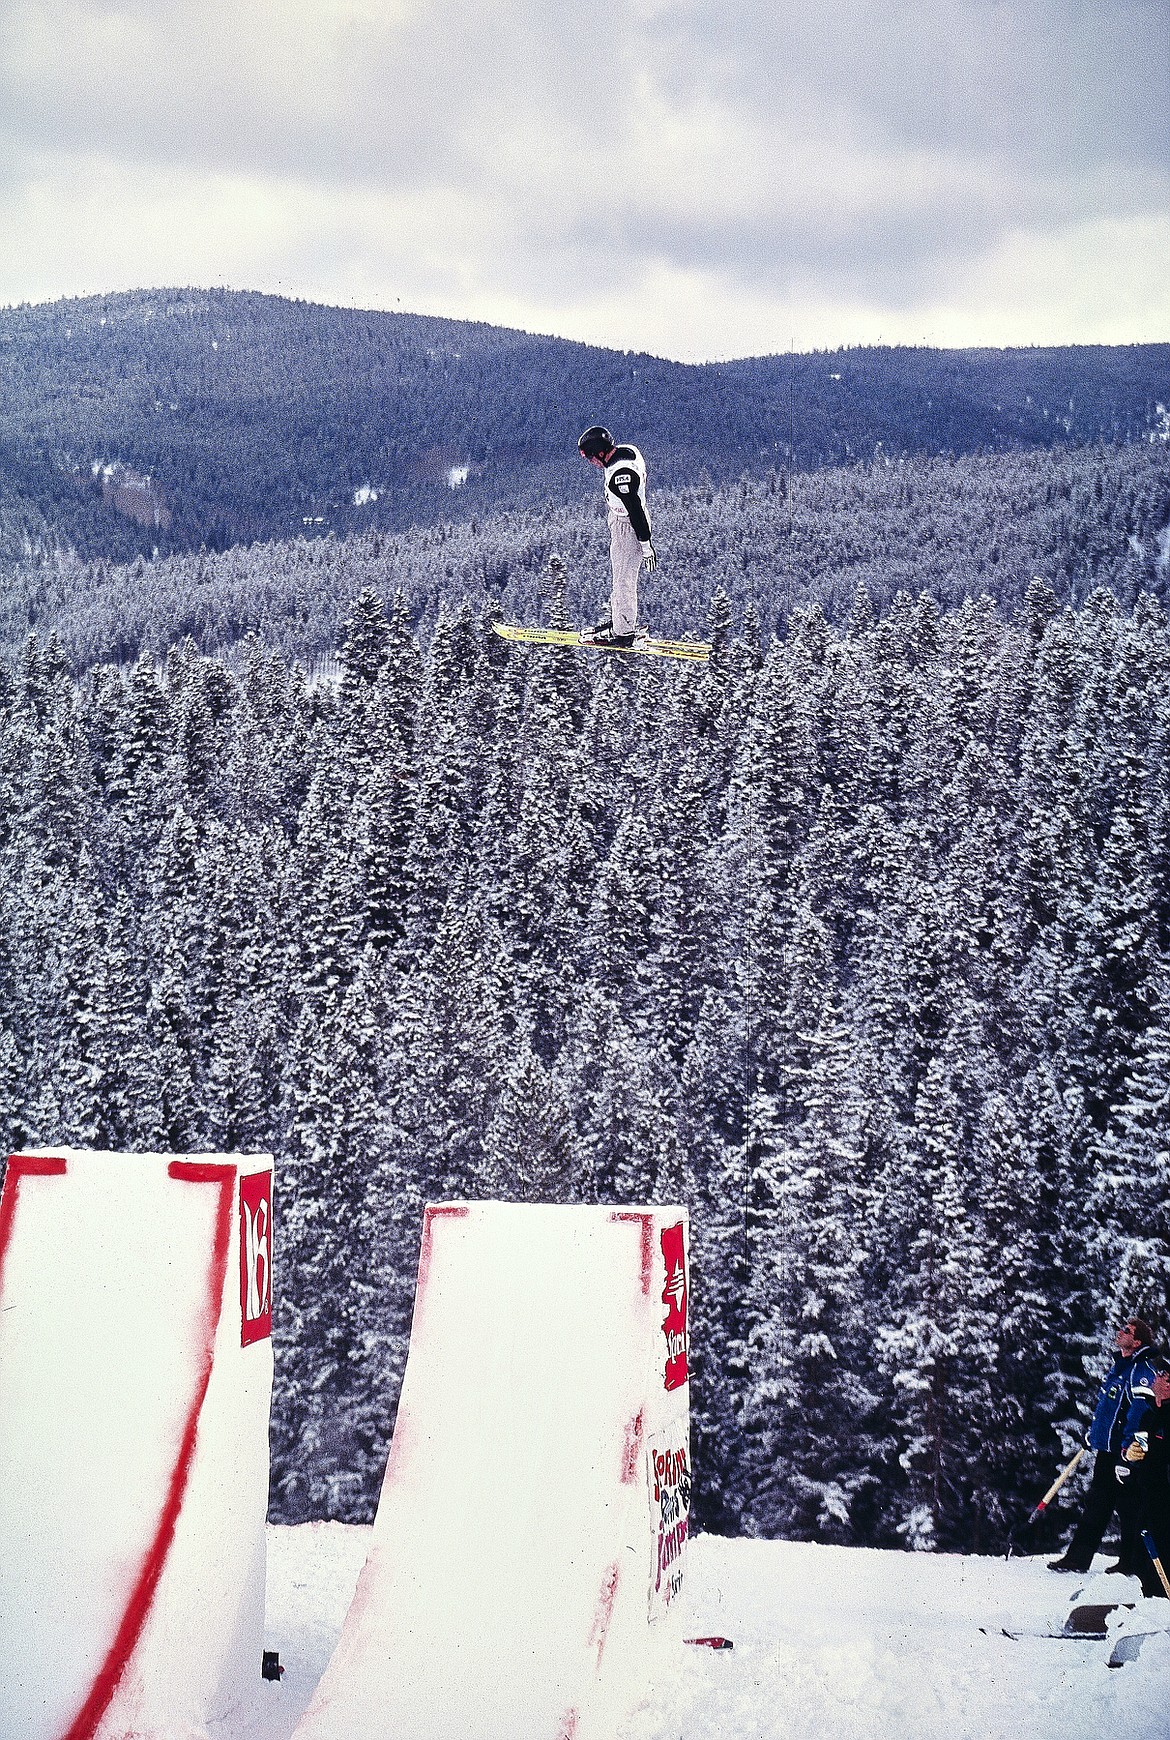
(601, 634)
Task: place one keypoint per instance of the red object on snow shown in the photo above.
(711, 1642)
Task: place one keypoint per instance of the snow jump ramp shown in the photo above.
(135, 1380)
(529, 1539)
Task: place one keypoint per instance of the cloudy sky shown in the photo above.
(699, 178)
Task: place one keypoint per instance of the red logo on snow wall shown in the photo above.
(255, 1257)
(674, 1296)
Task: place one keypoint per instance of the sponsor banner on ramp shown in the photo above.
(674, 1297)
(668, 1475)
(255, 1257)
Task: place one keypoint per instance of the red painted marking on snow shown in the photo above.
(202, 1172)
(372, 1573)
(142, 1595)
(568, 1725)
(631, 1449)
(710, 1642)
(399, 1449)
(603, 1613)
(37, 1165)
(21, 1166)
(431, 1213)
(646, 1221)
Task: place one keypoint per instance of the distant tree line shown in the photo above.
(957, 528)
(259, 418)
(858, 944)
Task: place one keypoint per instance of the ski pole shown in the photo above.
(1040, 1508)
(1151, 1549)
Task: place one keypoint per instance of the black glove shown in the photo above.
(648, 556)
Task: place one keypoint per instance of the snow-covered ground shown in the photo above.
(830, 1643)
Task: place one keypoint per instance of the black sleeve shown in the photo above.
(624, 485)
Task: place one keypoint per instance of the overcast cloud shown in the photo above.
(697, 179)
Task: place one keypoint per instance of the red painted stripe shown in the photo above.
(432, 1212)
(38, 1165)
(647, 1224)
(21, 1166)
(568, 1725)
(400, 1443)
(202, 1171)
(399, 1448)
(138, 1608)
(599, 1630)
(631, 1449)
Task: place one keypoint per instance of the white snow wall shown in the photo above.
(530, 1532)
(135, 1382)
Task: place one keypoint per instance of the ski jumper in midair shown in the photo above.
(629, 530)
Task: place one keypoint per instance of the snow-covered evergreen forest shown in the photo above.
(860, 944)
(174, 420)
(954, 527)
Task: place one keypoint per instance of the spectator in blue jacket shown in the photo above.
(1124, 1397)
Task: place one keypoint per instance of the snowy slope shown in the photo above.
(831, 1643)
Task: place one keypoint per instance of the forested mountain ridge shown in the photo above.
(861, 946)
(856, 939)
(179, 419)
(956, 528)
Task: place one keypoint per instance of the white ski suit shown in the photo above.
(629, 533)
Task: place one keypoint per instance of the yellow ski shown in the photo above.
(572, 637)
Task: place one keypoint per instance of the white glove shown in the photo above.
(648, 556)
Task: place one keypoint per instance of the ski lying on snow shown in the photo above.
(573, 637)
(1083, 1623)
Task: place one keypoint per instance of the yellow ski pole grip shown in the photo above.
(1041, 1506)
(1151, 1549)
(1059, 1481)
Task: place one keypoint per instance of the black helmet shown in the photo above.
(596, 442)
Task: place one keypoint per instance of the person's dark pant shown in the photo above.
(1107, 1494)
(1153, 1508)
